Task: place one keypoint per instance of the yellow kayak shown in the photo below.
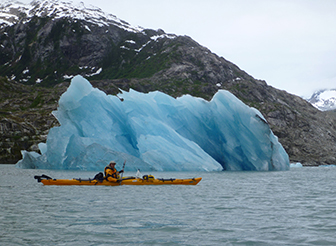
(146, 180)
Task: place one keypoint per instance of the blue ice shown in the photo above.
(295, 165)
(156, 132)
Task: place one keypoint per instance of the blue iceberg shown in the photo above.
(156, 132)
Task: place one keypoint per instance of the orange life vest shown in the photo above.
(111, 174)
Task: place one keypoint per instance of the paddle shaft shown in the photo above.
(123, 169)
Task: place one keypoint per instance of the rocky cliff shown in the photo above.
(44, 44)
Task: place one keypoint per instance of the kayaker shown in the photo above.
(111, 173)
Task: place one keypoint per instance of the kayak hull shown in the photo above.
(125, 181)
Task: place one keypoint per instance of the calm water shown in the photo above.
(296, 207)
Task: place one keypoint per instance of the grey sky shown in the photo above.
(289, 43)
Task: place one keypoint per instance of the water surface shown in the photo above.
(296, 207)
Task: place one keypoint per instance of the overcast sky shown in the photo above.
(291, 44)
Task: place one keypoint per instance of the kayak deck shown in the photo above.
(125, 181)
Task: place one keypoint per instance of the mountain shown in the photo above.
(44, 44)
(50, 41)
(324, 99)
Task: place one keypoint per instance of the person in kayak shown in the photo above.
(111, 173)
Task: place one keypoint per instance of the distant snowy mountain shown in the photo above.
(12, 12)
(324, 100)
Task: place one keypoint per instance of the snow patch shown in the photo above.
(68, 76)
(130, 41)
(124, 47)
(170, 36)
(95, 73)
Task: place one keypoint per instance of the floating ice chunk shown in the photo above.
(295, 165)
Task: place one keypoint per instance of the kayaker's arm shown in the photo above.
(111, 179)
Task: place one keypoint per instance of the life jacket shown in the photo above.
(111, 173)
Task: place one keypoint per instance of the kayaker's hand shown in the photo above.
(121, 171)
